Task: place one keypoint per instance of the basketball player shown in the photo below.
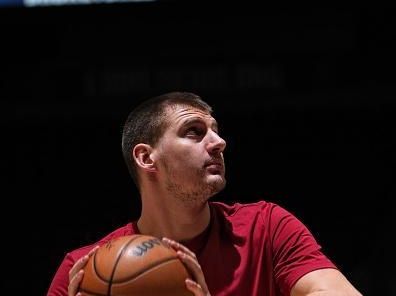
(174, 153)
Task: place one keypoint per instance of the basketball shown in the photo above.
(134, 265)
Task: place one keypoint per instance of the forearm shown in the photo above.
(324, 282)
(334, 293)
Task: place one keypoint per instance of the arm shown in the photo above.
(324, 282)
(68, 276)
(300, 266)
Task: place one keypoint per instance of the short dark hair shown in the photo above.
(147, 122)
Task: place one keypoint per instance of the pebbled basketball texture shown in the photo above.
(134, 265)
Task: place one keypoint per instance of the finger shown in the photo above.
(81, 263)
(74, 283)
(195, 269)
(78, 266)
(194, 288)
(178, 247)
(93, 251)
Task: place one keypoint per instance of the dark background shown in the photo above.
(304, 98)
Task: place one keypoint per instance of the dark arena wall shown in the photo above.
(305, 100)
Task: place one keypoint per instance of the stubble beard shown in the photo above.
(195, 194)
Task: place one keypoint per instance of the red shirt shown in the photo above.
(248, 249)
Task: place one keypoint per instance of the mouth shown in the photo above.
(215, 167)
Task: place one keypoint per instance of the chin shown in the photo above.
(217, 183)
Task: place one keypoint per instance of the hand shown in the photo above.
(198, 287)
(76, 273)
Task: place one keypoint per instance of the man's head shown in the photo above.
(148, 123)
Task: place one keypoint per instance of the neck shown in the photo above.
(177, 220)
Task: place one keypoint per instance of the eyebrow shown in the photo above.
(200, 120)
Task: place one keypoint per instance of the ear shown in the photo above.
(142, 154)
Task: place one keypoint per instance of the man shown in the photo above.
(174, 153)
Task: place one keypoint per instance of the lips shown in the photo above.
(215, 167)
(214, 163)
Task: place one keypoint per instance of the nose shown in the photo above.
(216, 144)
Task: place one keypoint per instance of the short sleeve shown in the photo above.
(60, 281)
(295, 250)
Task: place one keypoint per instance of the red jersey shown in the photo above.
(247, 249)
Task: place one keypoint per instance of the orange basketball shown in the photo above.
(135, 265)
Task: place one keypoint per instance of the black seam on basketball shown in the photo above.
(135, 275)
(116, 263)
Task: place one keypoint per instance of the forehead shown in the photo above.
(180, 114)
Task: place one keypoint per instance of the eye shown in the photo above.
(195, 131)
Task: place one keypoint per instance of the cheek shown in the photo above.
(184, 159)
(182, 155)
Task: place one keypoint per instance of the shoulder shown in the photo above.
(76, 254)
(263, 208)
(265, 215)
(60, 280)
